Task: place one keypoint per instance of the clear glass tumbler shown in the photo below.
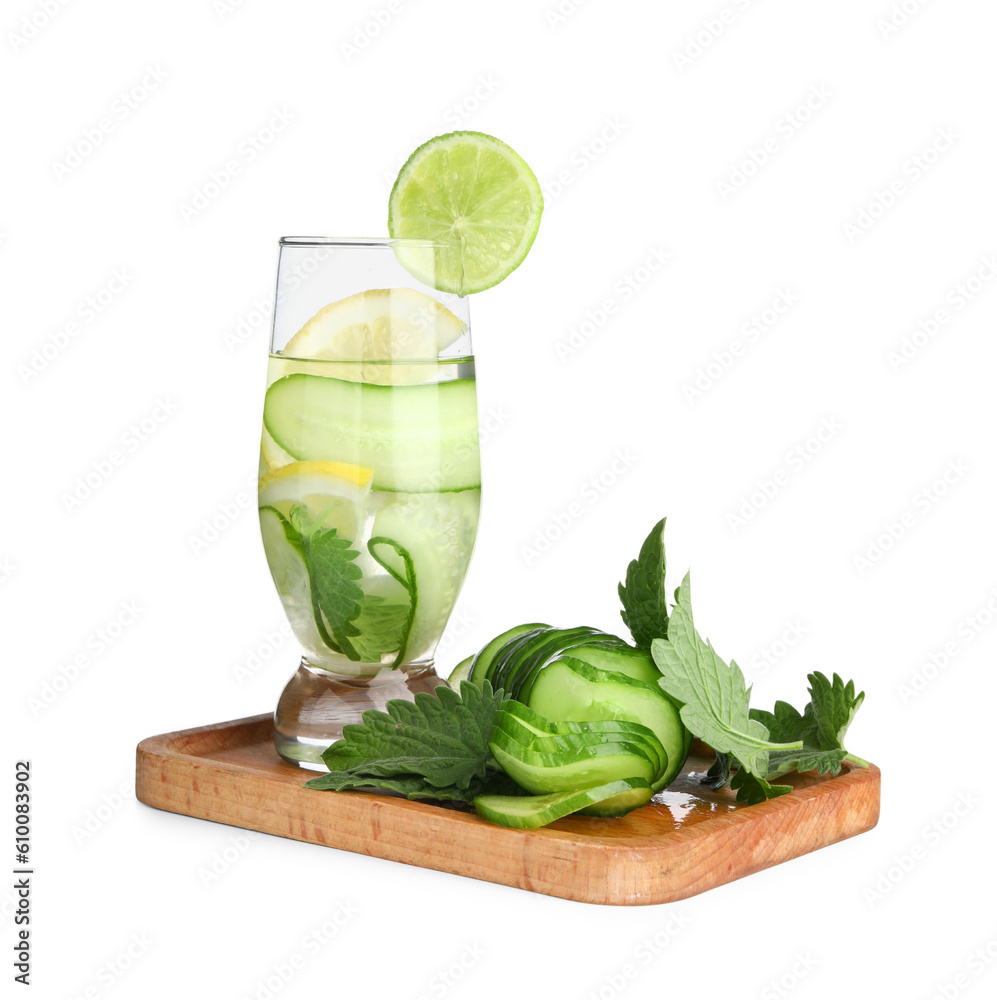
(369, 476)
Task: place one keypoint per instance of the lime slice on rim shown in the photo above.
(472, 191)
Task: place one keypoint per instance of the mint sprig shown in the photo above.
(714, 695)
(332, 574)
(645, 602)
(821, 727)
(350, 621)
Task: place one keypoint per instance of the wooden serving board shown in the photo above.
(686, 841)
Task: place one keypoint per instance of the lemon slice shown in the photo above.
(475, 196)
(272, 454)
(372, 331)
(334, 493)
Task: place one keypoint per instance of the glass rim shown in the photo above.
(360, 241)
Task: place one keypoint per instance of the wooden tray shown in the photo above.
(686, 841)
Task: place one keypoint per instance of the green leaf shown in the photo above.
(645, 608)
(714, 695)
(382, 627)
(719, 773)
(417, 788)
(751, 789)
(361, 626)
(821, 728)
(783, 722)
(332, 573)
(832, 707)
(440, 739)
(807, 758)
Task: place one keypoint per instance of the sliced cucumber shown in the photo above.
(483, 660)
(571, 690)
(437, 532)
(527, 812)
(416, 438)
(568, 745)
(586, 765)
(460, 673)
(622, 659)
(496, 669)
(678, 708)
(290, 576)
(621, 803)
(532, 730)
(521, 670)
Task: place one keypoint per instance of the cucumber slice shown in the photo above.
(621, 803)
(561, 745)
(622, 659)
(416, 438)
(483, 660)
(496, 669)
(528, 812)
(538, 650)
(573, 691)
(460, 673)
(290, 576)
(437, 532)
(537, 733)
(584, 766)
(523, 672)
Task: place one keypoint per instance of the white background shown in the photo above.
(631, 148)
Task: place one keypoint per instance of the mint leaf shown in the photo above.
(714, 695)
(417, 788)
(832, 707)
(719, 773)
(786, 724)
(359, 625)
(440, 739)
(645, 608)
(751, 789)
(332, 573)
(783, 722)
(807, 758)
(821, 728)
(381, 626)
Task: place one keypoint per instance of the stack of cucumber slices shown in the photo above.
(585, 712)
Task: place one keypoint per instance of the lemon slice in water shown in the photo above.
(334, 493)
(374, 332)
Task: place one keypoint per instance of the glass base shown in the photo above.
(315, 706)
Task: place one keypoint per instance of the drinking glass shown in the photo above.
(369, 476)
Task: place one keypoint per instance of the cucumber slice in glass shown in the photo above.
(416, 438)
(437, 533)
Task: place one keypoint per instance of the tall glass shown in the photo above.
(369, 476)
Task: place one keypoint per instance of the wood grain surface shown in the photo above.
(684, 842)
